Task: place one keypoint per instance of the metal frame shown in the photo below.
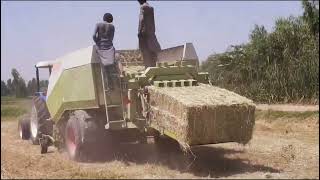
(37, 74)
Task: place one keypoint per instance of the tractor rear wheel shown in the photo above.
(24, 128)
(38, 121)
(82, 133)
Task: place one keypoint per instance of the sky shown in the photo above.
(45, 30)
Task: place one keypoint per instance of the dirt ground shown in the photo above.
(281, 148)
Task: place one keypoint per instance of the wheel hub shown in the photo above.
(34, 122)
(20, 131)
(71, 143)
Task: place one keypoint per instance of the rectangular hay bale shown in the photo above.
(202, 114)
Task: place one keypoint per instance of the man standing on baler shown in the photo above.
(148, 43)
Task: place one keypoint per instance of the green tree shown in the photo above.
(280, 66)
(19, 84)
(311, 15)
(43, 85)
(10, 87)
(4, 89)
(32, 86)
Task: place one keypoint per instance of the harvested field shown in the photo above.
(202, 114)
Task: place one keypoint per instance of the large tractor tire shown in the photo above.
(24, 128)
(82, 134)
(38, 121)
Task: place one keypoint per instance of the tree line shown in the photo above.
(17, 86)
(277, 66)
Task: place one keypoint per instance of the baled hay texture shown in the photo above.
(133, 69)
(128, 57)
(202, 114)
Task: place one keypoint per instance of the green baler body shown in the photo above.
(76, 88)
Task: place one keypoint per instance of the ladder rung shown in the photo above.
(140, 119)
(113, 106)
(112, 123)
(118, 121)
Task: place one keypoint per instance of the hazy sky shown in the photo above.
(39, 31)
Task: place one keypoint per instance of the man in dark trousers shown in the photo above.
(148, 42)
(103, 37)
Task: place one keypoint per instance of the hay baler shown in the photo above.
(79, 111)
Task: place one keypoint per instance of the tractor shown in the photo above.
(79, 111)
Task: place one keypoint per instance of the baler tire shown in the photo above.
(44, 149)
(24, 129)
(81, 133)
(38, 120)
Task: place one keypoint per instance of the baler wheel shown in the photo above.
(82, 132)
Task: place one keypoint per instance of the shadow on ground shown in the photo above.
(209, 162)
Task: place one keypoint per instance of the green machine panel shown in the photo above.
(75, 89)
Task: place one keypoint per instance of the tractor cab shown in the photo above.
(42, 91)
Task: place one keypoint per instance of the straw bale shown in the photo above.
(202, 114)
(134, 69)
(129, 56)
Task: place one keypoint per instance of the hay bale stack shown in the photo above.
(202, 114)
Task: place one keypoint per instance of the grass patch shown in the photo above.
(7, 98)
(12, 111)
(12, 108)
(12, 98)
(277, 115)
(8, 103)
